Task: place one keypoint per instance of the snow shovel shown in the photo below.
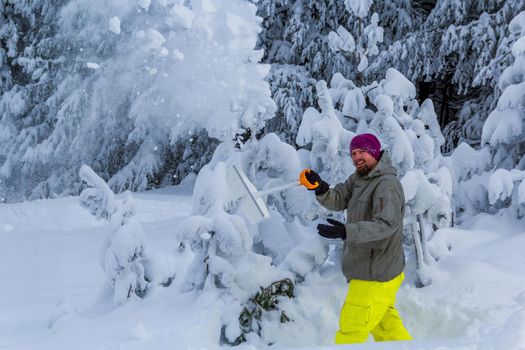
(251, 204)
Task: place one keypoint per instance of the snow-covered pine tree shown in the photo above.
(490, 178)
(295, 38)
(143, 94)
(453, 50)
(32, 63)
(296, 32)
(456, 57)
(503, 130)
(292, 89)
(503, 133)
(363, 44)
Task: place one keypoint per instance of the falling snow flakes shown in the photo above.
(114, 25)
(92, 65)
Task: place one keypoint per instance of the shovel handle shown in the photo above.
(278, 189)
(304, 181)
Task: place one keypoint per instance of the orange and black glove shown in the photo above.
(312, 181)
(336, 229)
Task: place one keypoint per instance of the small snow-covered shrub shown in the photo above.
(219, 242)
(235, 259)
(98, 197)
(125, 253)
(125, 258)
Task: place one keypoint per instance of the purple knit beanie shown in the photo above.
(368, 143)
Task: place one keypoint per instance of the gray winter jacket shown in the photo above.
(375, 205)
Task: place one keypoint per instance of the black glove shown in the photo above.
(335, 230)
(314, 177)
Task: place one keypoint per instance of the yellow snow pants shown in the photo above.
(369, 308)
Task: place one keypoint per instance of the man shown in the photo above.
(373, 258)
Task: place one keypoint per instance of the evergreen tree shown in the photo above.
(296, 41)
(455, 51)
(142, 93)
(33, 63)
(503, 131)
(456, 57)
(495, 182)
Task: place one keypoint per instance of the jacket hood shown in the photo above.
(383, 167)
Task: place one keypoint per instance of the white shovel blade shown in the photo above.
(251, 206)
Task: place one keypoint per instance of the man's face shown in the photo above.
(363, 161)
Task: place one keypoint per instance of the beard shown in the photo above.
(363, 171)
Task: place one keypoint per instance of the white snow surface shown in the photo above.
(54, 294)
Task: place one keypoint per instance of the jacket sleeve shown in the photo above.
(337, 198)
(388, 209)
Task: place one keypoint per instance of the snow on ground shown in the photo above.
(53, 295)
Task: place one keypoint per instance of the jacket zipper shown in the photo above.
(371, 257)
